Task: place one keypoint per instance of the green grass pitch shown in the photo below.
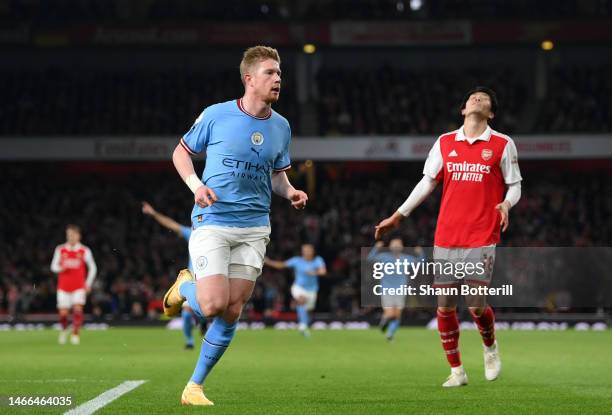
(348, 372)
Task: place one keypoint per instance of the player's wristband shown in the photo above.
(193, 182)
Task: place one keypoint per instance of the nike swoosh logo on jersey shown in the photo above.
(452, 154)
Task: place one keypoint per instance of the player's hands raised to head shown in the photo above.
(388, 224)
(503, 209)
(204, 196)
(298, 199)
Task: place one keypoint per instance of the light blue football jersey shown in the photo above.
(242, 151)
(301, 268)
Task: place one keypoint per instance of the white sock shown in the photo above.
(491, 348)
(458, 370)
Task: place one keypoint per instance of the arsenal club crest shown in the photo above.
(486, 154)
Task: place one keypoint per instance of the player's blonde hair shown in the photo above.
(254, 55)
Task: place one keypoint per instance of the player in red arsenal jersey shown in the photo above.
(76, 269)
(481, 182)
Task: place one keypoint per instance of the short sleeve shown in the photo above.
(434, 162)
(197, 138)
(509, 164)
(320, 262)
(292, 262)
(186, 232)
(283, 160)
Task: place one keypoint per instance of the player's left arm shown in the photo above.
(92, 269)
(280, 181)
(56, 266)
(282, 187)
(321, 270)
(512, 178)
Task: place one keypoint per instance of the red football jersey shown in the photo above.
(72, 264)
(474, 173)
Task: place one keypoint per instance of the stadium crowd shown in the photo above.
(41, 11)
(590, 86)
(562, 205)
(389, 100)
(75, 102)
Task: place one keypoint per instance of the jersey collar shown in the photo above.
(485, 136)
(241, 108)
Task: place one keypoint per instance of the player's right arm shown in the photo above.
(165, 221)
(194, 142)
(56, 265)
(203, 195)
(431, 175)
(275, 264)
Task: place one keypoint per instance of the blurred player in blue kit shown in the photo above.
(393, 304)
(184, 232)
(307, 268)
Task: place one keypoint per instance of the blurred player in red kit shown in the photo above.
(76, 269)
(482, 181)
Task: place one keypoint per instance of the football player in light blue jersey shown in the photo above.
(184, 232)
(392, 304)
(247, 152)
(307, 268)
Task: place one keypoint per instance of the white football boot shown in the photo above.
(458, 377)
(492, 362)
(63, 337)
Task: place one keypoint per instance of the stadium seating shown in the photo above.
(137, 258)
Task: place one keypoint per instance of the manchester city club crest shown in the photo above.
(257, 138)
(201, 262)
(486, 154)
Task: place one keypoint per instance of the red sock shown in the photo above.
(486, 325)
(63, 321)
(448, 326)
(77, 320)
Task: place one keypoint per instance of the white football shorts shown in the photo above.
(66, 299)
(309, 296)
(230, 251)
(393, 301)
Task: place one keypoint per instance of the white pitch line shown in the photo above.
(105, 398)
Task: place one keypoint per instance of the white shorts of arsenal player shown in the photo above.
(66, 299)
(472, 266)
(475, 173)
